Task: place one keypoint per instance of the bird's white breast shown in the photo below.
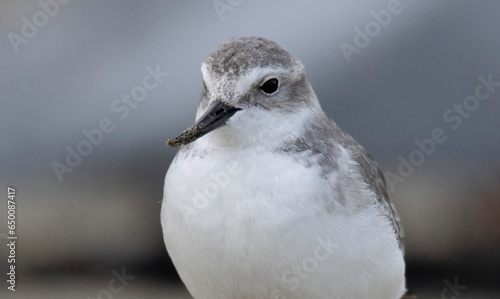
(243, 225)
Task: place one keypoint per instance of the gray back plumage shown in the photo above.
(375, 180)
(321, 140)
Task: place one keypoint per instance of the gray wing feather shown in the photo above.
(375, 180)
(326, 152)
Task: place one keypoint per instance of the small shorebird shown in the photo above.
(268, 197)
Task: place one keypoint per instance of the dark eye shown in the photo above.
(270, 86)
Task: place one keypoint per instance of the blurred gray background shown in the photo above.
(64, 68)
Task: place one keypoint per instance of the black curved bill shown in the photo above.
(216, 115)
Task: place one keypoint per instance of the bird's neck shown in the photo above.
(265, 133)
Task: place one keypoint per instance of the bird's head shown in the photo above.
(254, 92)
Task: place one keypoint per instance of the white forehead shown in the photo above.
(247, 80)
